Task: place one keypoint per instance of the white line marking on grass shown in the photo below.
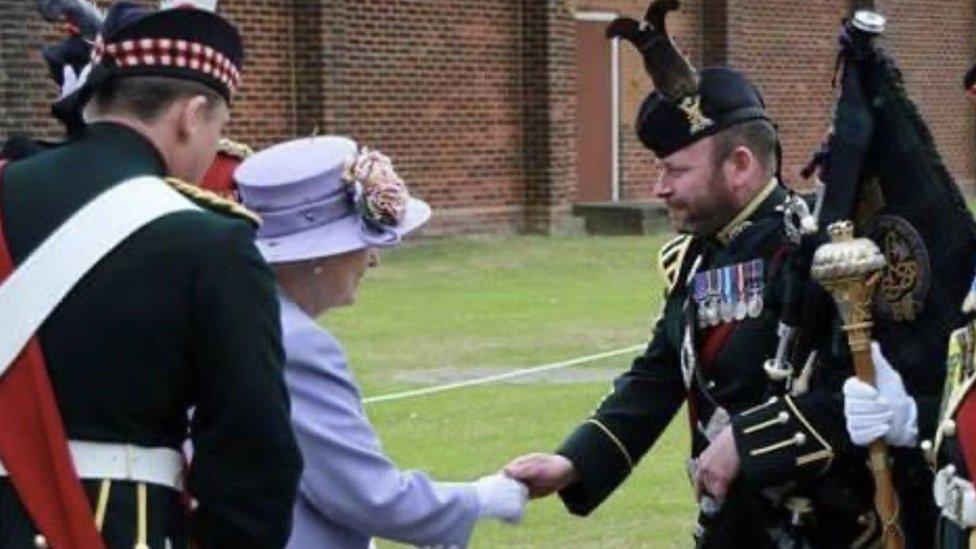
(500, 377)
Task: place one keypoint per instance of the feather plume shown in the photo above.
(657, 13)
(670, 70)
(81, 13)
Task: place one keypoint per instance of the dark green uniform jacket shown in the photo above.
(780, 438)
(182, 315)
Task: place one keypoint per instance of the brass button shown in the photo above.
(40, 542)
(799, 439)
(928, 451)
(949, 428)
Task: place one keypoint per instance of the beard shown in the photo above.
(707, 214)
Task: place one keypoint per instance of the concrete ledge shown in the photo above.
(622, 218)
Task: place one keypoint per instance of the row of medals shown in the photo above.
(730, 293)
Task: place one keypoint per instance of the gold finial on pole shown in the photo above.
(850, 269)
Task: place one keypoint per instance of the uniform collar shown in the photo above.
(741, 221)
(130, 144)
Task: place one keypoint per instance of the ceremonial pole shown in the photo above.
(850, 269)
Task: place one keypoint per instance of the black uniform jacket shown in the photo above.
(181, 315)
(778, 437)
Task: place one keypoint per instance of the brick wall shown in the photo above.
(438, 85)
(789, 54)
(475, 101)
(25, 89)
(636, 162)
(265, 107)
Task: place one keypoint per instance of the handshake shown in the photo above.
(503, 495)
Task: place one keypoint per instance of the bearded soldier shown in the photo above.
(772, 465)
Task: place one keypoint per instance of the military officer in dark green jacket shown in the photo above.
(772, 465)
(175, 333)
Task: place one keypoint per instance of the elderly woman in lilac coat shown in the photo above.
(326, 207)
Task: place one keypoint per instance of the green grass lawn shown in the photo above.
(499, 304)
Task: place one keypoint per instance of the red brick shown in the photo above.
(475, 99)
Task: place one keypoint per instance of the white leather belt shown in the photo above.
(100, 460)
(956, 497)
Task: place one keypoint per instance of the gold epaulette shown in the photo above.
(213, 200)
(670, 258)
(234, 148)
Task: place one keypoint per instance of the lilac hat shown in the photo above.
(322, 196)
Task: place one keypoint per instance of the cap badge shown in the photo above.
(691, 105)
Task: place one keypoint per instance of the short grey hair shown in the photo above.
(759, 136)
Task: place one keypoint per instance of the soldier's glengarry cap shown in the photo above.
(322, 196)
(686, 105)
(725, 98)
(185, 43)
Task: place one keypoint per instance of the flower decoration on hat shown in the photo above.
(380, 196)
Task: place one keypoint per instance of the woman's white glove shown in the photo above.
(501, 497)
(885, 411)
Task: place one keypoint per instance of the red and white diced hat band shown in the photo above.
(195, 44)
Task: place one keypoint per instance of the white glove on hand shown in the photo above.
(867, 417)
(501, 497)
(886, 411)
(904, 421)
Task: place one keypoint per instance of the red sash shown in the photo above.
(966, 432)
(34, 447)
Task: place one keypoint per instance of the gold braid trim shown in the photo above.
(670, 258)
(613, 438)
(234, 148)
(213, 200)
(827, 451)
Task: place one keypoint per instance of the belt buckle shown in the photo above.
(953, 503)
(940, 488)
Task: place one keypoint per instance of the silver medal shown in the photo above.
(728, 296)
(741, 309)
(739, 287)
(755, 305)
(754, 287)
(715, 317)
(714, 298)
(727, 311)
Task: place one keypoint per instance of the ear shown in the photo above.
(742, 162)
(194, 113)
